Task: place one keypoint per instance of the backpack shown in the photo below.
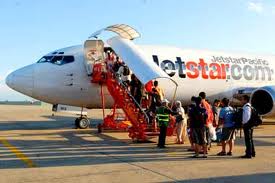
(200, 116)
(126, 71)
(255, 119)
(238, 118)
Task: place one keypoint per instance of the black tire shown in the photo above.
(76, 123)
(84, 123)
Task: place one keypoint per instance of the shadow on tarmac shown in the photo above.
(71, 147)
(259, 177)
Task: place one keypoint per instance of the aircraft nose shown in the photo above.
(21, 80)
(9, 80)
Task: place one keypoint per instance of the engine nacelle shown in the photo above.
(263, 99)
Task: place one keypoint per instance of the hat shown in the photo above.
(165, 101)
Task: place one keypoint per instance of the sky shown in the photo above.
(31, 28)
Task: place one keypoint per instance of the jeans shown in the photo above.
(248, 137)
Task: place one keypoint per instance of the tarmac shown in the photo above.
(38, 147)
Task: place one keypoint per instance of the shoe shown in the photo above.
(246, 157)
(204, 156)
(229, 154)
(221, 153)
(161, 147)
(195, 156)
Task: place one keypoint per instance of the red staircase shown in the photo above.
(132, 110)
(139, 129)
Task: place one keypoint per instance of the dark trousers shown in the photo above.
(248, 137)
(162, 135)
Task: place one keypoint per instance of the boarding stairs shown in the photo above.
(140, 128)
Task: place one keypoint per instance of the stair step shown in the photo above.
(152, 133)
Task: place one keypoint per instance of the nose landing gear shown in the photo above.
(82, 122)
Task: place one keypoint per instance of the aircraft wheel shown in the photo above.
(76, 123)
(83, 123)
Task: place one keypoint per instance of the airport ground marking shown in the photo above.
(18, 153)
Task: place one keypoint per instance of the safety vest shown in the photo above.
(163, 118)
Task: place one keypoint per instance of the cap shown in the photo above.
(165, 101)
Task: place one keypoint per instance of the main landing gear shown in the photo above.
(82, 122)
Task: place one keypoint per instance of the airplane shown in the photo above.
(60, 77)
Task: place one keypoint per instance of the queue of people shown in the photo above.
(224, 120)
(200, 122)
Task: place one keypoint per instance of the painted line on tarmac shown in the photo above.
(18, 153)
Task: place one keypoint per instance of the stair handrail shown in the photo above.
(132, 97)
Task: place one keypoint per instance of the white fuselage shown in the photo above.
(219, 74)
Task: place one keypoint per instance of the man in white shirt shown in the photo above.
(124, 76)
(248, 130)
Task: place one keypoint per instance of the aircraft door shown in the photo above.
(93, 53)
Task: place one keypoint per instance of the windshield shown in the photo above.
(45, 59)
(57, 60)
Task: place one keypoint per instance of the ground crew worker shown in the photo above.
(163, 118)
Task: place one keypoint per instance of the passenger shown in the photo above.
(117, 65)
(136, 88)
(210, 117)
(198, 116)
(248, 130)
(181, 123)
(227, 123)
(154, 100)
(148, 86)
(216, 111)
(163, 118)
(124, 74)
(189, 129)
(109, 59)
(159, 90)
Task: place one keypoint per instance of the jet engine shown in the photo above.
(263, 99)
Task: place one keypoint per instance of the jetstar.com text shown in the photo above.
(217, 68)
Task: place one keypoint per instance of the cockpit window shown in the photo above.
(45, 59)
(68, 59)
(57, 60)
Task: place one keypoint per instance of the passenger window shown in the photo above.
(57, 60)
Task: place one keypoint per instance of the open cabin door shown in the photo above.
(142, 66)
(93, 53)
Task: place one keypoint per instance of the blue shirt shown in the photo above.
(226, 114)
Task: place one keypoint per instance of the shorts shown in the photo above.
(199, 136)
(228, 134)
(207, 135)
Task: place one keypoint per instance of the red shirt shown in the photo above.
(208, 108)
(149, 86)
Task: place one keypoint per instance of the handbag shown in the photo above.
(179, 118)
